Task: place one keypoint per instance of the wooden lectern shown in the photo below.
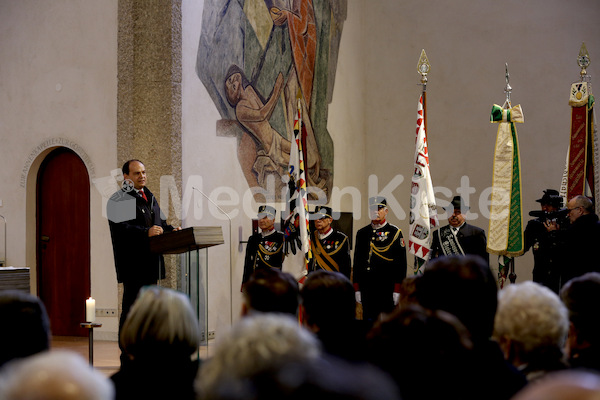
(192, 244)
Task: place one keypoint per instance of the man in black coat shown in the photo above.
(458, 237)
(133, 218)
(331, 250)
(544, 242)
(582, 240)
(379, 262)
(265, 248)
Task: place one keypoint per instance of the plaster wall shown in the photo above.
(468, 44)
(58, 88)
(210, 162)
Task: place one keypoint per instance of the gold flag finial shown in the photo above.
(583, 60)
(423, 67)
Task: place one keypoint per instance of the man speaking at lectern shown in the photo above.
(134, 217)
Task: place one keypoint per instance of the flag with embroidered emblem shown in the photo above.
(505, 234)
(423, 212)
(581, 176)
(298, 218)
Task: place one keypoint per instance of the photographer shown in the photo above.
(542, 236)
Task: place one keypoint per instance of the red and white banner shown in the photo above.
(423, 212)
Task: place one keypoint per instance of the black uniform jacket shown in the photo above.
(263, 252)
(332, 253)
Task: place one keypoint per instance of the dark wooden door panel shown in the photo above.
(63, 205)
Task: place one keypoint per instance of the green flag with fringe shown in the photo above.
(505, 235)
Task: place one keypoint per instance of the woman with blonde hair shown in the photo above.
(159, 337)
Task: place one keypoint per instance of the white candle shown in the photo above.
(90, 310)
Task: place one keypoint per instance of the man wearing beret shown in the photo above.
(379, 262)
(331, 250)
(458, 237)
(265, 249)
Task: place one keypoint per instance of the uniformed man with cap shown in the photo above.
(265, 249)
(331, 249)
(544, 241)
(379, 262)
(458, 237)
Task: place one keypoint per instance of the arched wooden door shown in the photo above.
(63, 240)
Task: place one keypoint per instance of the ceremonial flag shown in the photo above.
(503, 270)
(423, 212)
(582, 143)
(299, 214)
(505, 235)
(581, 175)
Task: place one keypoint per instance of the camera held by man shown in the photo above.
(541, 236)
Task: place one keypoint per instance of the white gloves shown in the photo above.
(396, 297)
(357, 296)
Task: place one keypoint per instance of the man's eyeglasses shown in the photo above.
(571, 209)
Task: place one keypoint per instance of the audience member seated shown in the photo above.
(427, 353)
(53, 375)
(581, 295)
(160, 336)
(531, 327)
(563, 385)
(329, 310)
(270, 290)
(270, 357)
(255, 344)
(465, 287)
(408, 291)
(29, 331)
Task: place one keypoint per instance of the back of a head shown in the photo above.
(563, 385)
(55, 375)
(411, 340)
(29, 331)
(463, 286)
(532, 317)
(581, 296)
(328, 299)
(161, 323)
(328, 378)
(255, 345)
(271, 290)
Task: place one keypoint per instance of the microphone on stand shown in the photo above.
(230, 255)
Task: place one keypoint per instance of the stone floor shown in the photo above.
(106, 353)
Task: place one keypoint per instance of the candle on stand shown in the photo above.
(90, 310)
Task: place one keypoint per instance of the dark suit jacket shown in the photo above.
(581, 250)
(129, 218)
(471, 238)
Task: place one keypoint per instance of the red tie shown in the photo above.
(143, 195)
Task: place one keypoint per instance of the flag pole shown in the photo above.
(512, 275)
(423, 68)
(505, 233)
(423, 215)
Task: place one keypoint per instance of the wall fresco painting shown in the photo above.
(253, 58)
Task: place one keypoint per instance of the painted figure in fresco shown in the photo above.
(253, 113)
(249, 49)
(303, 37)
